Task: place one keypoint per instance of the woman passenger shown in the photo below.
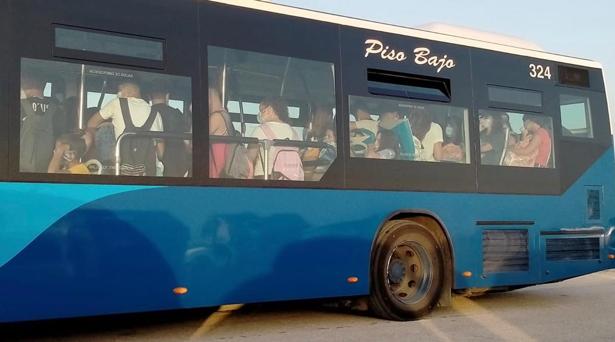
(218, 125)
(536, 141)
(275, 125)
(429, 135)
(492, 138)
(386, 146)
(453, 145)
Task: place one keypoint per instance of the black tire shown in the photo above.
(407, 271)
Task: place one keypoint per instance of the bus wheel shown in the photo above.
(407, 271)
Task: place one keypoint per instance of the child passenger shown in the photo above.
(69, 150)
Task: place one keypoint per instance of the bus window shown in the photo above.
(73, 121)
(516, 139)
(403, 130)
(270, 117)
(576, 116)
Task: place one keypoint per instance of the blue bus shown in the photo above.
(159, 155)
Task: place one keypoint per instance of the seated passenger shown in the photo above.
(386, 146)
(321, 128)
(492, 138)
(175, 157)
(392, 119)
(363, 119)
(534, 149)
(69, 150)
(284, 161)
(453, 143)
(428, 133)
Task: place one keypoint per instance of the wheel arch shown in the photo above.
(435, 224)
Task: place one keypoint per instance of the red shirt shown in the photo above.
(544, 149)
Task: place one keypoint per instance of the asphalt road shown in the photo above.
(579, 309)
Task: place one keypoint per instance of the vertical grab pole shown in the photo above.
(283, 85)
(81, 97)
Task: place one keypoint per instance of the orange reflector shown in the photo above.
(467, 274)
(180, 290)
(352, 280)
(612, 256)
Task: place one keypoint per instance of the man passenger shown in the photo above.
(140, 112)
(41, 121)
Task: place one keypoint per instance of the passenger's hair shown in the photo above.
(390, 108)
(322, 120)
(129, 88)
(76, 143)
(359, 106)
(389, 140)
(496, 119)
(215, 100)
(279, 106)
(539, 120)
(455, 124)
(32, 82)
(158, 89)
(420, 122)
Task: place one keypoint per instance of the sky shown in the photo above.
(576, 28)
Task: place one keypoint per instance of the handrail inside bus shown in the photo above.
(150, 134)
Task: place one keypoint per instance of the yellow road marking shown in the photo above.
(488, 320)
(215, 319)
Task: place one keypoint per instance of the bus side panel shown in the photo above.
(126, 248)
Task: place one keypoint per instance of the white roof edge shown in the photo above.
(406, 31)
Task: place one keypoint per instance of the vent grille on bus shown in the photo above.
(564, 249)
(505, 251)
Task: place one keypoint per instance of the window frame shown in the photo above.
(282, 42)
(14, 166)
(584, 93)
(520, 112)
(512, 105)
(467, 129)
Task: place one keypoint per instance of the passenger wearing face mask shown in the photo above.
(275, 125)
(452, 149)
(69, 150)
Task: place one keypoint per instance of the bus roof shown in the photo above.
(501, 46)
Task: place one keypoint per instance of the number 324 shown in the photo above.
(540, 71)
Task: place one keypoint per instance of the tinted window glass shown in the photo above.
(515, 96)
(515, 139)
(106, 43)
(405, 130)
(576, 116)
(60, 100)
(270, 117)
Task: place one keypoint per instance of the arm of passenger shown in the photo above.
(157, 126)
(530, 149)
(486, 147)
(54, 164)
(216, 124)
(93, 123)
(437, 151)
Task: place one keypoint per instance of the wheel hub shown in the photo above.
(409, 272)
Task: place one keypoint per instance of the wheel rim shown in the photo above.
(409, 273)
